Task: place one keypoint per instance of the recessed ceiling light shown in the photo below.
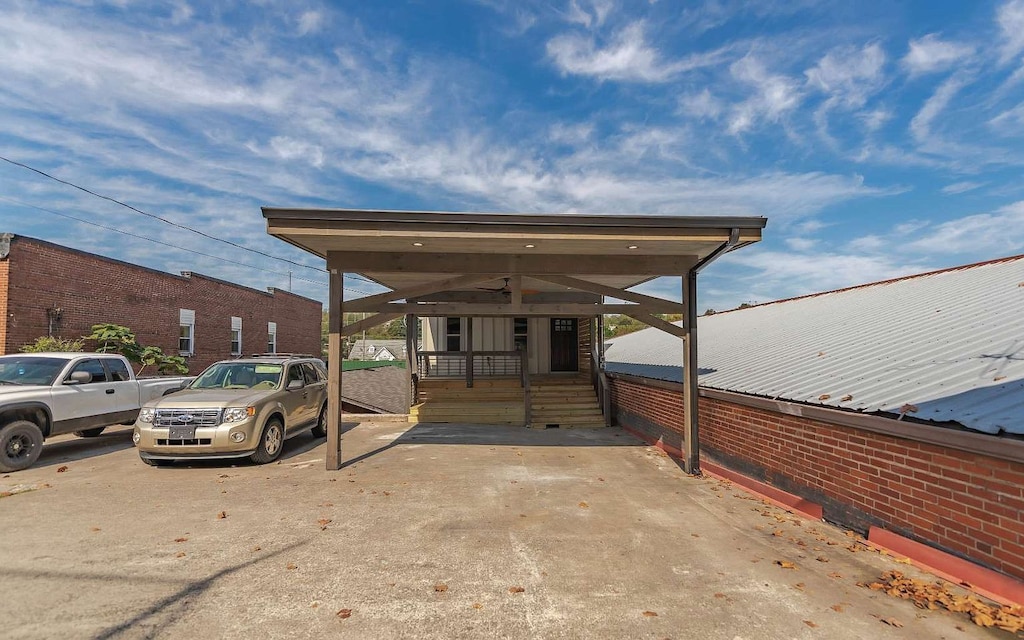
(529, 246)
(417, 244)
(632, 246)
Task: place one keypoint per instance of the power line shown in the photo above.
(170, 222)
(166, 244)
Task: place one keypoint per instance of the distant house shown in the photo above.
(47, 289)
(380, 350)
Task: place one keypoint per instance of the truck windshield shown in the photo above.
(239, 375)
(30, 369)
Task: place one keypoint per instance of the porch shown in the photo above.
(508, 267)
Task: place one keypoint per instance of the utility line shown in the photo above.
(166, 221)
(166, 244)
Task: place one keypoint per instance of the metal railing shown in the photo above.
(470, 364)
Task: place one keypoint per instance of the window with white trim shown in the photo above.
(271, 337)
(186, 332)
(520, 333)
(236, 336)
(453, 334)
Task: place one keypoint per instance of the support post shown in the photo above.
(691, 451)
(334, 358)
(411, 361)
(469, 352)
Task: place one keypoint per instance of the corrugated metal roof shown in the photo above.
(950, 343)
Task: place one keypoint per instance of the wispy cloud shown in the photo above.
(1010, 18)
(930, 54)
(773, 95)
(961, 187)
(626, 57)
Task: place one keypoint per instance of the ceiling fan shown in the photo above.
(506, 289)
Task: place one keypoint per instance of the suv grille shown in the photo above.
(200, 417)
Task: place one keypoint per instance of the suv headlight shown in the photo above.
(147, 414)
(237, 414)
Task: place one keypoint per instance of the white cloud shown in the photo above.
(961, 187)
(1010, 18)
(701, 105)
(774, 95)
(627, 57)
(848, 73)
(590, 13)
(182, 12)
(801, 244)
(995, 234)
(930, 54)
(921, 125)
(310, 22)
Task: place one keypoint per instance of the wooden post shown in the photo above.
(469, 353)
(691, 461)
(334, 359)
(411, 361)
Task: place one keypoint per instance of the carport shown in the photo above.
(439, 264)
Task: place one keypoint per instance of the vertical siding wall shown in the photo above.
(969, 504)
(91, 289)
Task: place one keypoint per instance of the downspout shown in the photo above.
(691, 463)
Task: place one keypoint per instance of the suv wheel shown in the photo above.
(271, 442)
(320, 430)
(21, 442)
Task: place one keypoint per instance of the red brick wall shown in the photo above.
(91, 289)
(968, 504)
(4, 268)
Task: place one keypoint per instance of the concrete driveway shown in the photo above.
(430, 531)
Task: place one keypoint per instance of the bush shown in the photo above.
(53, 343)
(115, 338)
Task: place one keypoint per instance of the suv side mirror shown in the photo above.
(79, 377)
(293, 385)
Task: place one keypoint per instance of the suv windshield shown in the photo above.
(239, 375)
(30, 369)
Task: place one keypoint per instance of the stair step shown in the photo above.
(560, 406)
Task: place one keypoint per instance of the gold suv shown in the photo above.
(242, 408)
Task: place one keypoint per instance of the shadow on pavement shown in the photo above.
(72, 448)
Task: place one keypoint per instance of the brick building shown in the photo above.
(47, 289)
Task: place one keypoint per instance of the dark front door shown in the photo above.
(564, 344)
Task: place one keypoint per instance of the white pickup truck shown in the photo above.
(47, 394)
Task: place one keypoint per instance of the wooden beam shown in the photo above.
(493, 297)
(509, 310)
(517, 289)
(336, 294)
(487, 263)
(370, 303)
(659, 304)
(658, 323)
(368, 323)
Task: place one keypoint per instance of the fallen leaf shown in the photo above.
(516, 589)
(94, 529)
(223, 475)
(650, 614)
(180, 554)
(222, 515)
(908, 408)
(584, 505)
(5, 494)
(821, 559)
(800, 586)
(323, 522)
(440, 588)
(838, 608)
(810, 624)
(695, 535)
(477, 605)
(824, 396)
(835, 574)
(785, 564)
(719, 595)
(846, 398)
(344, 613)
(291, 566)
(903, 560)
(600, 479)
(62, 468)
(778, 533)
(892, 622)
(181, 539)
(256, 548)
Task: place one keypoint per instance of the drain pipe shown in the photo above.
(691, 443)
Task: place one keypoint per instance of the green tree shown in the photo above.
(115, 338)
(53, 343)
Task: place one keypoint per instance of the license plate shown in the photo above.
(183, 432)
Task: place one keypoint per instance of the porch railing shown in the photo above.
(470, 364)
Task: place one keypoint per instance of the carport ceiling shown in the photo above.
(406, 248)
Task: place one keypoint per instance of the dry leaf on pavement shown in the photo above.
(62, 468)
(516, 589)
(222, 515)
(344, 613)
(440, 588)
(785, 564)
(650, 614)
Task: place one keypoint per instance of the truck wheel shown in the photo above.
(90, 433)
(271, 442)
(21, 442)
(320, 430)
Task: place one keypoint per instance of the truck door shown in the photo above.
(83, 405)
(126, 390)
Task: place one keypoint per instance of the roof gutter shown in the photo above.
(725, 247)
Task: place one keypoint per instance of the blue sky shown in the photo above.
(879, 139)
